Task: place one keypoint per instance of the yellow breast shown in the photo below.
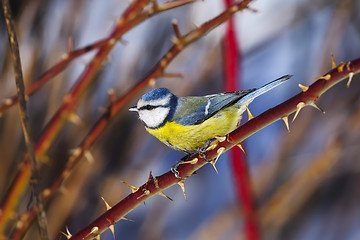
(191, 138)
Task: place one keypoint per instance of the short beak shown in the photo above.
(133, 109)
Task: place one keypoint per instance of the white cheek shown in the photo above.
(154, 117)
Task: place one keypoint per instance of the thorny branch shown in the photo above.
(155, 185)
(20, 88)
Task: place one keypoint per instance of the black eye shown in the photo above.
(148, 107)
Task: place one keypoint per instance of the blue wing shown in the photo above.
(195, 110)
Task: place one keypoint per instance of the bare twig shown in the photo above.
(20, 88)
(73, 54)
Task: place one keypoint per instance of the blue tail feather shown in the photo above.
(251, 96)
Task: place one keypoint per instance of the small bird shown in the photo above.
(187, 123)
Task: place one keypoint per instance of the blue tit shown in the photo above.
(187, 123)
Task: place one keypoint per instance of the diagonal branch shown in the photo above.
(155, 185)
(73, 54)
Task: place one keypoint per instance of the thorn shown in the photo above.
(112, 41)
(213, 164)
(172, 75)
(124, 42)
(253, 10)
(192, 161)
(76, 152)
(152, 82)
(299, 107)
(74, 118)
(326, 77)
(286, 121)
(348, 66)
(176, 29)
(46, 193)
(316, 106)
(221, 139)
(145, 193)
(333, 63)
(164, 195)
(250, 116)
(7, 101)
(127, 219)
(157, 187)
(341, 67)
(181, 183)
(94, 230)
(242, 149)
(89, 156)
(219, 152)
(67, 234)
(106, 204)
(351, 74)
(150, 177)
(133, 189)
(303, 88)
(112, 229)
(112, 95)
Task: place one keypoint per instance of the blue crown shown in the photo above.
(156, 94)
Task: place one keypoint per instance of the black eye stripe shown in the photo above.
(148, 107)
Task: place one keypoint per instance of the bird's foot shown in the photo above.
(186, 159)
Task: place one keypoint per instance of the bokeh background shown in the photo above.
(305, 182)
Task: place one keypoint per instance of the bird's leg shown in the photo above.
(209, 145)
(183, 160)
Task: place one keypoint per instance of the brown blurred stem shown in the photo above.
(73, 54)
(20, 88)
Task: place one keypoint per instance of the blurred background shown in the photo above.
(305, 182)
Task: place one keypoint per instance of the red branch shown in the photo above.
(238, 162)
(155, 185)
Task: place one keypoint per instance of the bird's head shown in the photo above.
(155, 108)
